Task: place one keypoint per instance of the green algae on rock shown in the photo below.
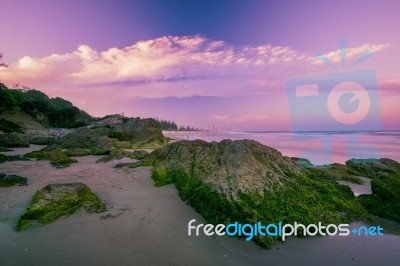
(248, 182)
(76, 152)
(138, 154)
(12, 180)
(385, 184)
(57, 157)
(6, 158)
(56, 200)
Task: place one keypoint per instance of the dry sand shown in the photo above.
(146, 225)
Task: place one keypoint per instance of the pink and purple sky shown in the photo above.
(199, 63)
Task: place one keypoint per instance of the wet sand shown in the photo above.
(146, 225)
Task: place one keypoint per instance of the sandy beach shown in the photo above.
(146, 225)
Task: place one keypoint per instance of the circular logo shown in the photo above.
(348, 102)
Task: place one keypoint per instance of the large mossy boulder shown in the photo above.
(12, 180)
(248, 182)
(13, 140)
(56, 200)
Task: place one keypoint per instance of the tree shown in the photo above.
(2, 64)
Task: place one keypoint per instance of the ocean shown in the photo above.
(318, 147)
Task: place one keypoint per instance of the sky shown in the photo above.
(225, 64)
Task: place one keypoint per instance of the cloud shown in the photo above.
(152, 68)
(219, 117)
(354, 52)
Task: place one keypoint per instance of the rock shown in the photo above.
(116, 154)
(230, 167)
(121, 165)
(56, 200)
(302, 162)
(113, 132)
(11, 180)
(3, 149)
(247, 182)
(5, 158)
(57, 157)
(385, 198)
(334, 172)
(40, 140)
(13, 140)
(59, 132)
(138, 155)
(373, 167)
(76, 152)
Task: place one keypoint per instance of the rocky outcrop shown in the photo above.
(12, 180)
(56, 200)
(248, 182)
(113, 132)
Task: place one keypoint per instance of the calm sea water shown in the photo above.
(318, 147)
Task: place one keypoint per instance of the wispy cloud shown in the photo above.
(354, 52)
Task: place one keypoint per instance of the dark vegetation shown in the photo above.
(50, 112)
(172, 126)
(167, 125)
